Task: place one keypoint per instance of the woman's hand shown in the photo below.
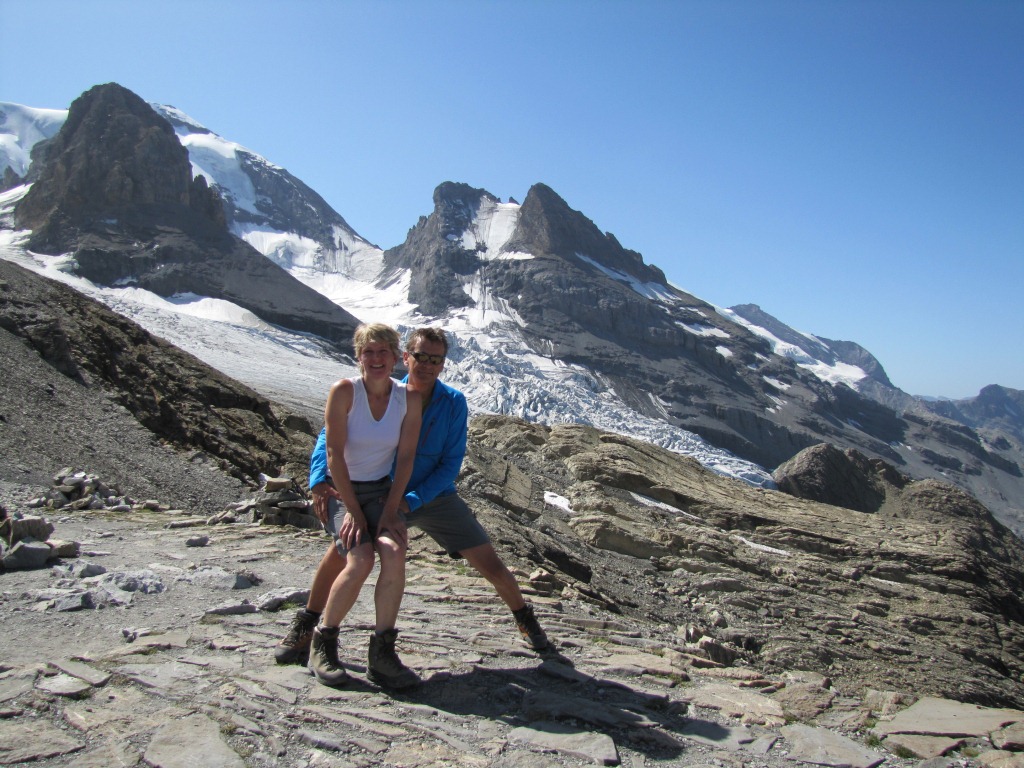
(353, 529)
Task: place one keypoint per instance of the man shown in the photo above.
(431, 503)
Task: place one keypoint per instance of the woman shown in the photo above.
(372, 424)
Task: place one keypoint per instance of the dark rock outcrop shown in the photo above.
(920, 593)
(170, 392)
(114, 187)
(997, 411)
(846, 479)
(114, 155)
(433, 251)
(547, 225)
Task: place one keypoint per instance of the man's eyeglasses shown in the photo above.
(423, 357)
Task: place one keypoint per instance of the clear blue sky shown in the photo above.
(856, 168)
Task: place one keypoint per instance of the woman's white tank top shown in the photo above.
(371, 445)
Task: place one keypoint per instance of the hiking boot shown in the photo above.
(323, 657)
(530, 628)
(295, 646)
(385, 668)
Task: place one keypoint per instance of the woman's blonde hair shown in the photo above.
(372, 333)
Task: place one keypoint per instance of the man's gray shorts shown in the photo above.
(371, 497)
(450, 522)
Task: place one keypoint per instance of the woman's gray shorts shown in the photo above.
(371, 497)
(450, 522)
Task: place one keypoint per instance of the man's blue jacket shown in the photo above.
(439, 451)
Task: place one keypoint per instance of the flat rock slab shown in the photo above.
(191, 741)
(943, 717)
(1000, 758)
(925, 747)
(171, 675)
(82, 671)
(64, 685)
(21, 742)
(107, 756)
(823, 747)
(646, 662)
(543, 706)
(729, 737)
(597, 747)
(1010, 738)
(12, 687)
(121, 711)
(804, 701)
(751, 707)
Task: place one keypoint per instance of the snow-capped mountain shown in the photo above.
(272, 210)
(116, 191)
(552, 320)
(21, 128)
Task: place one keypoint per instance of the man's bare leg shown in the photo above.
(486, 561)
(490, 566)
(294, 646)
(331, 564)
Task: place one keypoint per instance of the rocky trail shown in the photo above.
(175, 667)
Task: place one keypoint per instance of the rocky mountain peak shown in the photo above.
(548, 226)
(998, 411)
(113, 157)
(114, 187)
(10, 179)
(455, 206)
(434, 251)
(996, 400)
(826, 350)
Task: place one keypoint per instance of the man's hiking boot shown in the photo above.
(385, 668)
(530, 628)
(295, 645)
(323, 657)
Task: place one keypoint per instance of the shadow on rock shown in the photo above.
(553, 695)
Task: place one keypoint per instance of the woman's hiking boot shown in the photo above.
(295, 645)
(385, 668)
(323, 657)
(530, 628)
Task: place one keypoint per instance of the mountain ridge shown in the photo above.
(916, 592)
(518, 283)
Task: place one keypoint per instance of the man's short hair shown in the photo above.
(436, 335)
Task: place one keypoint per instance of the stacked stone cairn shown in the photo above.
(281, 501)
(25, 542)
(74, 489)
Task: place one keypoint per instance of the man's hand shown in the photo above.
(322, 492)
(393, 523)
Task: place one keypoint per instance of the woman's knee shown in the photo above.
(359, 561)
(390, 552)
